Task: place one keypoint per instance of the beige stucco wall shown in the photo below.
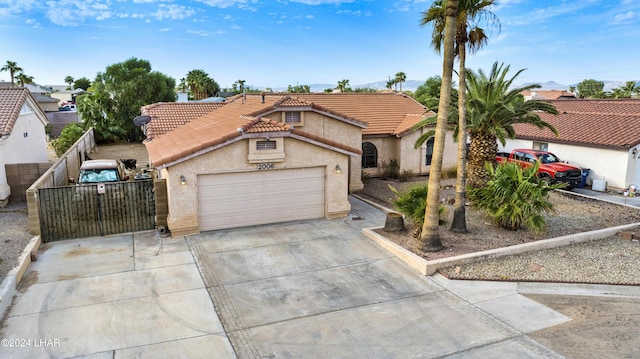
(183, 199)
(339, 131)
(408, 157)
(619, 168)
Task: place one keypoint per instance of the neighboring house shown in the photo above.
(46, 103)
(600, 134)
(547, 95)
(68, 95)
(22, 133)
(265, 158)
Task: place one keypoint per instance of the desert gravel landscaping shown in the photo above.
(608, 261)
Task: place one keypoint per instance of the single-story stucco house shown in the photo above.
(22, 134)
(602, 135)
(266, 158)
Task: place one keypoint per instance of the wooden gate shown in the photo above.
(89, 210)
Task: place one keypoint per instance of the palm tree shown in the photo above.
(390, 84)
(629, 88)
(474, 37)
(183, 85)
(69, 81)
(342, 85)
(401, 77)
(13, 68)
(23, 79)
(241, 85)
(201, 85)
(430, 235)
(493, 108)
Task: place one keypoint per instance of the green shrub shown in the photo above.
(406, 175)
(413, 202)
(389, 170)
(70, 134)
(514, 197)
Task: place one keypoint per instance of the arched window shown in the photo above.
(369, 155)
(429, 151)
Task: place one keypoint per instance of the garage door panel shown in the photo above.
(249, 198)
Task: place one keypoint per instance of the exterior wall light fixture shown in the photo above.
(183, 180)
(338, 169)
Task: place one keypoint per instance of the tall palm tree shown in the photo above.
(201, 85)
(401, 77)
(23, 79)
(493, 108)
(13, 68)
(69, 81)
(241, 85)
(469, 35)
(430, 235)
(342, 85)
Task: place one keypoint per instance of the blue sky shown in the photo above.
(274, 43)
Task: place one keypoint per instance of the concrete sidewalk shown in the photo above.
(308, 289)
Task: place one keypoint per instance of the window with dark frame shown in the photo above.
(369, 155)
(292, 117)
(429, 152)
(265, 145)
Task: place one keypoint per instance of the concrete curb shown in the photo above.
(13, 278)
(430, 267)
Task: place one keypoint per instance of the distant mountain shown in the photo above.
(412, 85)
(549, 85)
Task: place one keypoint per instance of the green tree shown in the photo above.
(430, 235)
(390, 84)
(117, 96)
(515, 197)
(299, 89)
(400, 78)
(591, 89)
(626, 91)
(493, 107)
(468, 35)
(23, 79)
(428, 94)
(412, 203)
(69, 81)
(239, 84)
(343, 85)
(82, 83)
(13, 68)
(201, 85)
(69, 135)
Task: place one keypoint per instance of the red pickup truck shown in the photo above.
(551, 168)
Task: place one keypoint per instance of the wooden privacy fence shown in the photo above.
(88, 210)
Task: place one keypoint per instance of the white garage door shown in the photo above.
(248, 198)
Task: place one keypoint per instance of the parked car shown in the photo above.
(551, 169)
(100, 171)
(68, 107)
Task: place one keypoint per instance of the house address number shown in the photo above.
(266, 166)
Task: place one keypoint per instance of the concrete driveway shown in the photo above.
(309, 289)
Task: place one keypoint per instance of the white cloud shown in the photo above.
(74, 12)
(33, 23)
(226, 3)
(323, 2)
(623, 18)
(173, 12)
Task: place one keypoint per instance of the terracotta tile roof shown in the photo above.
(11, 102)
(384, 113)
(587, 122)
(167, 116)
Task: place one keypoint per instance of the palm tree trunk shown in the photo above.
(459, 223)
(483, 148)
(430, 237)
